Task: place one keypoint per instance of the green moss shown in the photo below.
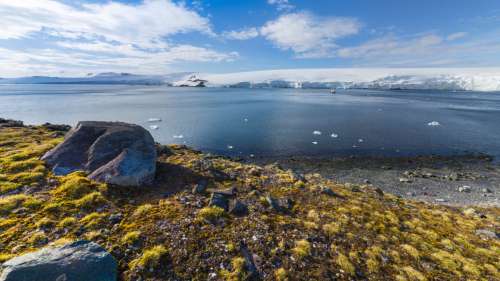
(150, 259)
(281, 274)
(210, 214)
(90, 200)
(302, 249)
(345, 264)
(238, 272)
(67, 222)
(131, 237)
(74, 186)
(142, 210)
(9, 203)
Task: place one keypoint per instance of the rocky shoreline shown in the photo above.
(461, 180)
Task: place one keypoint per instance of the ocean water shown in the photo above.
(276, 122)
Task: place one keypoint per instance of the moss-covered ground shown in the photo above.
(165, 232)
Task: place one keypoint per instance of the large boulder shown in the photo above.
(112, 152)
(77, 261)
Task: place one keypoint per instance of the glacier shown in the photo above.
(447, 79)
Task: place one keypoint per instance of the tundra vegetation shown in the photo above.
(296, 228)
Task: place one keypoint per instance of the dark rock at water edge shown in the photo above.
(9, 123)
(77, 261)
(112, 152)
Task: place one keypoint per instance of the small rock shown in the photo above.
(329, 192)
(405, 180)
(486, 190)
(238, 208)
(379, 191)
(281, 205)
(487, 234)
(465, 188)
(219, 200)
(115, 218)
(200, 187)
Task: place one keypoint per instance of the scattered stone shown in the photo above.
(219, 200)
(487, 234)
(200, 187)
(238, 208)
(328, 191)
(465, 188)
(279, 205)
(116, 218)
(379, 191)
(405, 180)
(56, 127)
(250, 264)
(9, 123)
(77, 261)
(112, 152)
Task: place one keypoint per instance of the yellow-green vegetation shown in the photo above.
(131, 237)
(210, 214)
(302, 249)
(357, 234)
(238, 272)
(150, 259)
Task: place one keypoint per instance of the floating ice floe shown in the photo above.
(360, 140)
(245, 120)
(333, 135)
(230, 147)
(252, 155)
(314, 142)
(433, 124)
(154, 127)
(178, 136)
(151, 120)
(318, 133)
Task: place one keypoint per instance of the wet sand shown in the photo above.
(453, 180)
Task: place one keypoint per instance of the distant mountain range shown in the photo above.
(465, 79)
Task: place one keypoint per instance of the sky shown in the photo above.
(75, 38)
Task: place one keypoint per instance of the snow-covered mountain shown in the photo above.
(102, 78)
(460, 79)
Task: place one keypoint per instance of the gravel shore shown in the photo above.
(452, 180)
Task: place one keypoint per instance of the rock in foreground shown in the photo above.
(112, 152)
(77, 261)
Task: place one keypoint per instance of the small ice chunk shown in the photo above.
(314, 142)
(178, 136)
(333, 135)
(252, 155)
(154, 120)
(433, 124)
(246, 119)
(154, 127)
(317, 133)
(360, 140)
(230, 147)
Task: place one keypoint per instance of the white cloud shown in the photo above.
(243, 34)
(112, 35)
(281, 5)
(309, 36)
(422, 50)
(139, 24)
(455, 36)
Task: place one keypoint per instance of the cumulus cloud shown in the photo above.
(243, 34)
(422, 50)
(281, 5)
(307, 35)
(111, 32)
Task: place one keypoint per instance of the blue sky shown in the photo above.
(50, 37)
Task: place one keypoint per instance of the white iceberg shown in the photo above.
(433, 124)
(178, 136)
(152, 120)
(314, 142)
(317, 133)
(230, 147)
(154, 127)
(333, 135)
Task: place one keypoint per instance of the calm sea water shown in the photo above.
(276, 122)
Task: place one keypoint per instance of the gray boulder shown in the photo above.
(77, 261)
(112, 152)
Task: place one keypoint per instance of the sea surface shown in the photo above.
(276, 122)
